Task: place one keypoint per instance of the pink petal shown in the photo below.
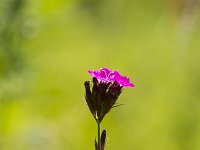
(107, 75)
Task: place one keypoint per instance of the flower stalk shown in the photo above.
(99, 135)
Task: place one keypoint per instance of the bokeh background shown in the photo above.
(47, 46)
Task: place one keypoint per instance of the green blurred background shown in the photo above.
(47, 46)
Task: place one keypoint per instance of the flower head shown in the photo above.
(107, 75)
(106, 88)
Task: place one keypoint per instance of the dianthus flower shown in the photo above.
(107, 86)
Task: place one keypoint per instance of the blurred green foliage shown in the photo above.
(47, 46)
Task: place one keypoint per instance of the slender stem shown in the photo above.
(99, 135)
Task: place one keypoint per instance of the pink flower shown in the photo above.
(107, 75)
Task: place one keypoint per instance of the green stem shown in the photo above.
(99, 135)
